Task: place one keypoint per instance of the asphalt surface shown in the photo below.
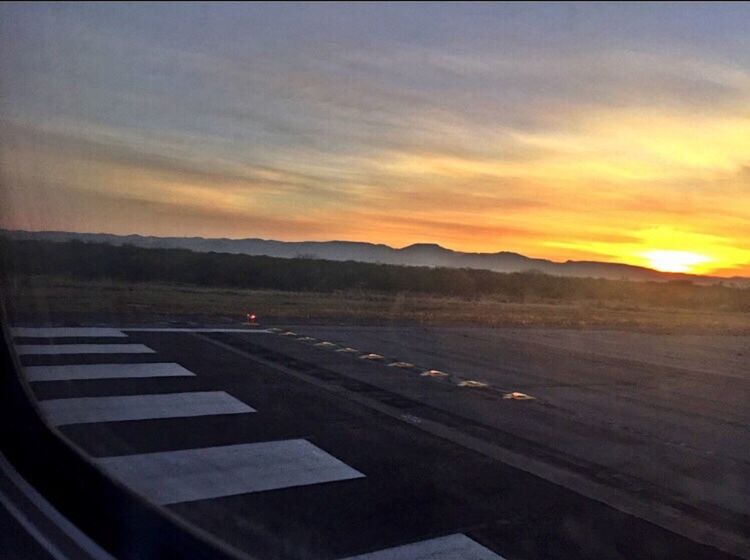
(622, 453)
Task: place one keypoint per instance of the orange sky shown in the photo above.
(579, 144)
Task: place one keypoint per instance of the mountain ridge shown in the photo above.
(415, 254)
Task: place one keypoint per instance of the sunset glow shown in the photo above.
(674, 261)
(628, 146)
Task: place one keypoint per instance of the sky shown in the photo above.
(607, 131)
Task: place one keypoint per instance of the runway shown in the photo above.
(286, 448)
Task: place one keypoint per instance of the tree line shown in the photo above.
(95, 261)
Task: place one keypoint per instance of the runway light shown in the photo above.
(516, 396)
(251, 317)
(433, 373)
(472, 383)
(404, 365)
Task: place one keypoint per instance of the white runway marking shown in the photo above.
(140, 407)
(197, 474)
(105, 371)
(60, 332)
(451, 547)
(22, 349)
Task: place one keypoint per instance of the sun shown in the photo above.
(674, 261)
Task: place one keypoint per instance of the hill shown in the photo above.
(420, 254)
(23, 260)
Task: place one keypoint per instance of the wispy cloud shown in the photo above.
(481, 127)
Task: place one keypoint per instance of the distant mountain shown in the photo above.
(419, 254)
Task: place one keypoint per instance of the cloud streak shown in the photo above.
(482, 127)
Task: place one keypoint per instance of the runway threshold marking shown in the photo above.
(54, 349)
(105, 371)
(451, 547)
(196, 474)
(86, 410)
(62, 332)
